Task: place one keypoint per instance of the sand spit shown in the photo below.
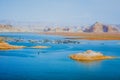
(90, 55)
(7, 46)
(37, 47)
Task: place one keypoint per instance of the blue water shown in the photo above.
(54, 63)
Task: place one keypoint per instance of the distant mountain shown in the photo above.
(95, 28)
(8, 28)
(112, 29)
(100, 28)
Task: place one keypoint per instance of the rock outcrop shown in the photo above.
(97, 27)
(100, 28)
(112, 29)
(90, 55)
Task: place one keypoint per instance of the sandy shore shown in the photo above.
(88, 36)
(89, 55)
(39, 47)
(6, 46)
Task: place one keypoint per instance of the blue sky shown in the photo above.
(62, 12)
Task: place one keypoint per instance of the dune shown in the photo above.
(7, 46)
(90, 55)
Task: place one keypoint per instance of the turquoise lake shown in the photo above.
(54, 63)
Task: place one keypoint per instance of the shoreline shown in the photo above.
(7, 46)
(87, 36)
(80, 35)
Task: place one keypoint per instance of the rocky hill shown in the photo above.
(95, 28)
(100, 28)
(8, 28)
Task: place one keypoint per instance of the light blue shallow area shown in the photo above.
(54, 63)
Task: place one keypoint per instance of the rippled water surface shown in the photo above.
(54, 63)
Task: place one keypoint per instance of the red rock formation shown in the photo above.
(97, 27)
(112, 29)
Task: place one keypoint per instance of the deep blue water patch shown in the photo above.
(54, 63)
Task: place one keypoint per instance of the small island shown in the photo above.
(37, 47)
(90, 55)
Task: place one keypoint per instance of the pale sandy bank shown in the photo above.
(37, 47)
(90, 55)
(7, 46)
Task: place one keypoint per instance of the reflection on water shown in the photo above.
(90, 64)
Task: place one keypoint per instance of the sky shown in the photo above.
(61, 12)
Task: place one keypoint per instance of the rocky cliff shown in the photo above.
(101, 28)
(97, 27)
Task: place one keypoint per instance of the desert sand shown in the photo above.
(88, 36)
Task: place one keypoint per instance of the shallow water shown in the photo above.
(54, 63)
